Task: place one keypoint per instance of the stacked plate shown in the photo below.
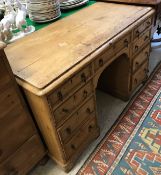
(69, 4)
(43, 10)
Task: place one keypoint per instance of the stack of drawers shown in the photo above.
(20, 144)
(74, 113)
(140, 52)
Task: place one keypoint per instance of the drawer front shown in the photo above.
(4, 74)
(82, 136)
(86, 112)
(140, 75)
(72, 103)
(138, 44)
(71, 85)
(81, 95)
(103, 58)
(139, 59)
(64, 110)
(25, 158)
(8, 101)
(143, 26)
(15, 129)
(122, 43)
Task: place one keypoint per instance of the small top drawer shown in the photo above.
(84, 113)
(143, 26)
(70, 86)
(63, 111)
(103, 58)
(140, 43)
(122, 43)
(139, 59)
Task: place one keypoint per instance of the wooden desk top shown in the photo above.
(43, 56)
(146, 2)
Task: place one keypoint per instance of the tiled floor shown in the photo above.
(109, 109)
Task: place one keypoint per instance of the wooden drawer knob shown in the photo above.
(148, 23)
(73, 147)
(147, 54)
(83, 77)
(68, 130)
(88, 110)
(136, 48)
(60, 96)
(146, 70)
(136, 81)
(65, 110)
(137, 33)
(146, 38)
(137, 64)
(101, 62)
(90, 127)
(126, 43)
(85, 94)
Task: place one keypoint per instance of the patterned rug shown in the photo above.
(133, 145)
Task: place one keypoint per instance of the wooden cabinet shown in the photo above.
(20, 145)
(60, 76)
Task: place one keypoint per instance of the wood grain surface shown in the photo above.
(45, 55)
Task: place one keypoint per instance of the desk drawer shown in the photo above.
(143, 26)
(15, 129)
(80, 138)
(86, 112)
(81, 95)
(70, 86)
(140, 75)
(72, 103)
(122, 43)
(139, 59)
(103, 58)
(144, 39)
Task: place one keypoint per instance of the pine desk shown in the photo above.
(156, 4)
(60, 66)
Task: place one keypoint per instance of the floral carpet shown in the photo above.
(133, 145)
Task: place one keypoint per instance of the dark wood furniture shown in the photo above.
(20, 145)
(60, 66)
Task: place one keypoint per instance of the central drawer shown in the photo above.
(103, 58)
(86, 112)
(122, 43)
